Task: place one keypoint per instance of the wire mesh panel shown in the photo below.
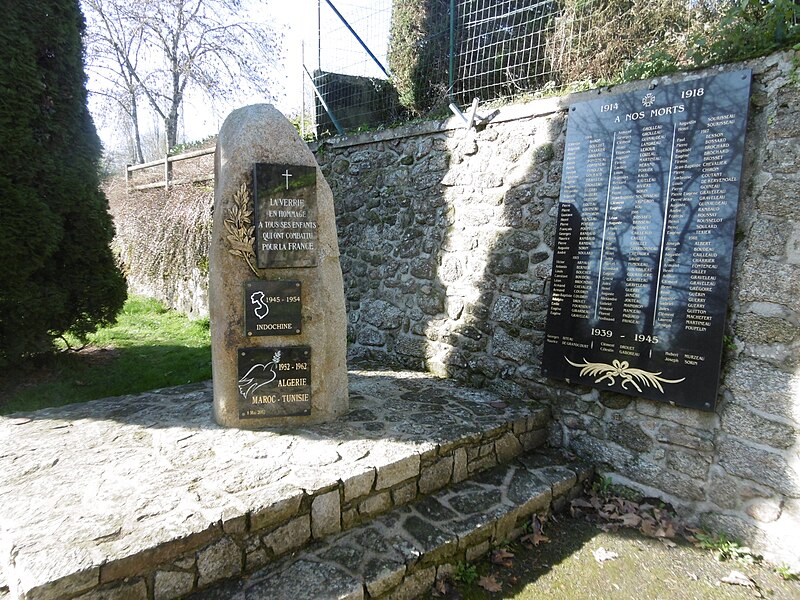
(503, 47)
(381, 60)
(340, 48)
(349, 64)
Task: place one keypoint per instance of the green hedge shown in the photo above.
(57, 271)
(419, 52)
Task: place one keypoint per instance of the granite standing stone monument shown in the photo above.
(276, 299)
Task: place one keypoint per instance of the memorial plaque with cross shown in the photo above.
(644, 241)
(285, 201)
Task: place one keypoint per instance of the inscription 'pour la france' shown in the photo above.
(286, 222)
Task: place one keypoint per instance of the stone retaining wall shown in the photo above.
(401, 554)
(446, 238)
(248, 542)
(162, 238)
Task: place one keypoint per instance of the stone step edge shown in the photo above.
(236, 547)
(422, 541)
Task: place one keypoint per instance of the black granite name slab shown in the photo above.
(285, 200)
(644, 242)
(274, 382)
(272, 308)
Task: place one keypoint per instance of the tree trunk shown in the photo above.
(171, 127)
(171, 122)
(136, 135)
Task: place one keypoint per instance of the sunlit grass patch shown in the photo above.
(149, 347)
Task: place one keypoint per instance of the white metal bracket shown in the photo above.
(469, 121)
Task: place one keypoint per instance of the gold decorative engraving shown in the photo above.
(239, 225)
(623, 370)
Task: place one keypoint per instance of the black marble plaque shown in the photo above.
(285, 201)
(644, 242)
(274, 382)
(272, 308)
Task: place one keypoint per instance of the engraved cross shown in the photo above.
(287, 175)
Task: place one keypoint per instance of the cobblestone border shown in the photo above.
(399, 555)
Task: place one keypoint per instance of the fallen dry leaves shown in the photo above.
(443, 586)
(602, 555)
(536, 536)
(503, 558)
(613, 512)
(490, 584)
(738, 578)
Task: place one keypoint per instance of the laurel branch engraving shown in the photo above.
(239, 225)
(625, 372)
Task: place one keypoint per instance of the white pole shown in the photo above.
(302, 91)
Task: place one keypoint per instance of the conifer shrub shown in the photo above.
(57, 270)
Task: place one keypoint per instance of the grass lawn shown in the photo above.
(149, 347)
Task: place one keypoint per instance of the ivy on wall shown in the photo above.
(163, 240)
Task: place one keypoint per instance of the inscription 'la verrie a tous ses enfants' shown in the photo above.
(286, 226)
(286, 215)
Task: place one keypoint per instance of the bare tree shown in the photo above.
(115, 42)
(160, 51)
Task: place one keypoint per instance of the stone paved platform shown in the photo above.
(144, 497)
(400, 554)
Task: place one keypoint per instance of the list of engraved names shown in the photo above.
(645, 226)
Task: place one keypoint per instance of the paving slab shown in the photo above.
(104, 492)
(397, 555)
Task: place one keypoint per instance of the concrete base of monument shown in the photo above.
(145, 497)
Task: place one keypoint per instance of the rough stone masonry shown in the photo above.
(448, 239)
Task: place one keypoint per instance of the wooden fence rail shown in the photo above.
(166, 164)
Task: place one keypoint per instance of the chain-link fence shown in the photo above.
(380, 61)
(347, 68)
(502, 47)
